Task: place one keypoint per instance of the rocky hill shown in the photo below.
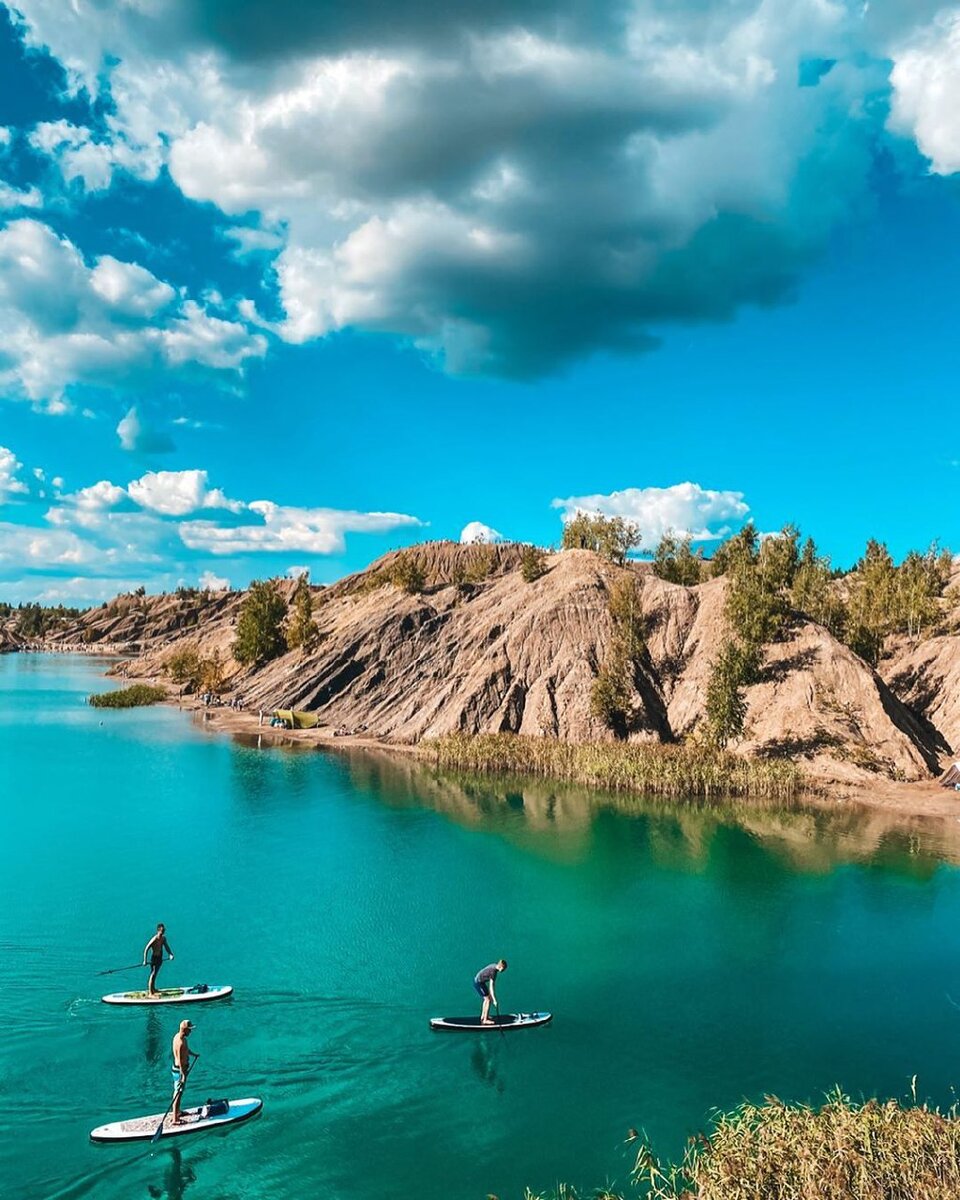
(480, 650)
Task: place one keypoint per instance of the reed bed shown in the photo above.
(134, 696)
(840, 1151)
(649, 768)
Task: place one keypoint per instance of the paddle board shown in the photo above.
(507, 1021)
(211, 1115)
(180, 995)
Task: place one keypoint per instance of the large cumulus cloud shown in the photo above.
(509, 184)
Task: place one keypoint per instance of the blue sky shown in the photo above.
(284, 288)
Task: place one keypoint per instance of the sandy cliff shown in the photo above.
(500, 654)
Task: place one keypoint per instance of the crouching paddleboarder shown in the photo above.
(155, 948)
(483, 985)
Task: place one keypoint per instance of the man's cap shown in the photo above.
(185, 1025)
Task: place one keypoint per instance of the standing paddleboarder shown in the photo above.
(180, 1068)
(483, 986)
(155, 948)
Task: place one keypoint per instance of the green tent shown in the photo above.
(297, 720)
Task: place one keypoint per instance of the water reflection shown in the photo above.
(485, 1059)
(153, 1042)
(564, 822)
(177, 1177)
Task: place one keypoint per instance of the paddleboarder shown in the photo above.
(483, 986)
(181, 1067)
(155, 948)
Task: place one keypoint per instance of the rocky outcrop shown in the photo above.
(480, 650)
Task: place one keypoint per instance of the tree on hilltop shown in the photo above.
(613, 537)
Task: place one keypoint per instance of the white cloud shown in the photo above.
(288, 529)
(510, 185)
(12, 197)
(297, 572)
(476, 531)
(81, 156)
(10, 485)
(26, 546)
(209, 582)
(176, 493)
(926, 91)
(137, 437)
(63, 322)
(249, 241)
(685, 509)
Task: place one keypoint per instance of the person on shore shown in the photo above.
(181, 1067)
(483, 986)
(155, 948)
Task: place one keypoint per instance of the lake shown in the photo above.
(692, 957)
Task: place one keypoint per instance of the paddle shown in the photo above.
(499, 1025)
(179, 1092)
(114, 970)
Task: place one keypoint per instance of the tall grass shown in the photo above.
(650, 768)
(841, 1151)
(129, 697)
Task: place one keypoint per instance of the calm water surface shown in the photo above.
(691, 960)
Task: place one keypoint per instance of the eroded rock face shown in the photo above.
(499, 654)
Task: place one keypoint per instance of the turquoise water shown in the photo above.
(690, 960)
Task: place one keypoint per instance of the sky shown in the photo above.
(284, 286)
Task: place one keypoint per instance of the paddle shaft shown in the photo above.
(176, 1095)
(133, 967)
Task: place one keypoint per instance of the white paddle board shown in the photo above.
(180, 995)
(507, 1021)
(208, 1116)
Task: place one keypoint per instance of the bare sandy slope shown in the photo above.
(499, 654)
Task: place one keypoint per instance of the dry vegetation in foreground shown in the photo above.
(777, 1151)
(647, 768)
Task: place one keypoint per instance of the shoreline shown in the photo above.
(921, 799)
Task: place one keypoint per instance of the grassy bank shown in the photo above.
(649, 768)
(841, 1151)
(129, 697)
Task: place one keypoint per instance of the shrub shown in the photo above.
(533, 564)
(407, 574)
(135, 696)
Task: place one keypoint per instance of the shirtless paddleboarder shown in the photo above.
(155, 948)
(181, 1067)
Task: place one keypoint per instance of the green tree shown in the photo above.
(302, 631)
(675, 561)
(814, 593)
(726, 705)
(212, 674)
(873, 602)
(533, 563)
(260, 625)
(184, 666)
(613, 537)
(921, 579)
(611, 693)
(626, 610)
(743, 546)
